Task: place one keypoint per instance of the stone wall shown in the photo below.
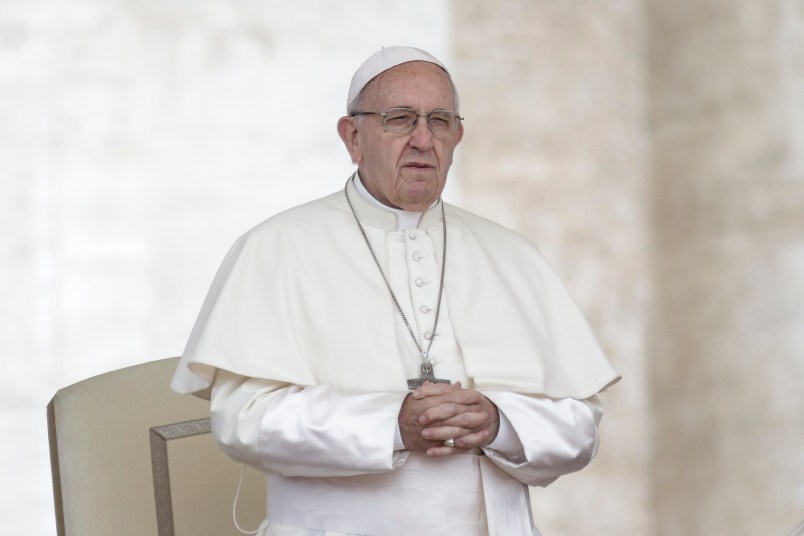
(727, 373)
(556, 148)
(655, 152)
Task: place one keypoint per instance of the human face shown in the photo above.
(403, 171)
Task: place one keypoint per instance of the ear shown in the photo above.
(459, 133)
(347, 130)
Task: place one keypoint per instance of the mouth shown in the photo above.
(419, 166)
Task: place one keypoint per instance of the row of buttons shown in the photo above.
(419, 282)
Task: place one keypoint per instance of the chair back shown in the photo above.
(131, 458)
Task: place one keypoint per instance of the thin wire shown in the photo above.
(265, 522)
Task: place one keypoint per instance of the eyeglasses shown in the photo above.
(402, 121)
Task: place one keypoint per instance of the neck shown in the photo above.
(405, 219)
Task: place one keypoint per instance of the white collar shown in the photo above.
(405, 219)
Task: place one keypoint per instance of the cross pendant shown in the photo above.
(427, 375)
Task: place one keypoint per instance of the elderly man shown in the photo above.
(396, 365)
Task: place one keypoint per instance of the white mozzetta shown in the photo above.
(297, 300)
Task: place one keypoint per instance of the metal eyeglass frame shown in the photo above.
(384, 116)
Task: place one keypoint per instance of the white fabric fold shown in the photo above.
(319, 431)
(557, 436)
(430, 497)
(245, 411)
(309, 360)
(272, 308)
(506, 500)
(312, 431)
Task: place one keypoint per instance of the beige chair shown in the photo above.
(131, 458)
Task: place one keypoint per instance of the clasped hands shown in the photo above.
(436, 412)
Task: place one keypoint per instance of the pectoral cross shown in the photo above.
(427, 375)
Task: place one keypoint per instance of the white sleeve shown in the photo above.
(313, 431)
(541, 438)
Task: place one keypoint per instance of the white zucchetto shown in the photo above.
(381, 61)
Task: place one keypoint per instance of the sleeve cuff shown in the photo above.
(398, 444)
(507, 441)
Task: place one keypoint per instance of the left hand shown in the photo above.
(463, 415)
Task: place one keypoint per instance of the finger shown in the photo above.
(445, 411)
(442, 433)
(434, 389)
(440, 452)
(478, 438)
(470, 420)
(456, 395)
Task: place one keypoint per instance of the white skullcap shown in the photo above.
(381, 61)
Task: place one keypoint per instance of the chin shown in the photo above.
(422, 201)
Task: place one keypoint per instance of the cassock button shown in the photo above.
(424, 309)
(416, 256)
(412, 236)
(428, 336)
(420, 282)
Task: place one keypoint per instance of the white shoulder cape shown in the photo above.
(299, 300)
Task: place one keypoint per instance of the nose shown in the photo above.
(420, 137)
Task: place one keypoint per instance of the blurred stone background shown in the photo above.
(653, 150)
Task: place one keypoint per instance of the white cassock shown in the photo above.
(305, 359)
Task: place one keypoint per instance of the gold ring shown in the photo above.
(449, 443)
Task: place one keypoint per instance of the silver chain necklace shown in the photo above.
(427, 373)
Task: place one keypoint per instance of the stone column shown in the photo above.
(727, 111)
(555, 149)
